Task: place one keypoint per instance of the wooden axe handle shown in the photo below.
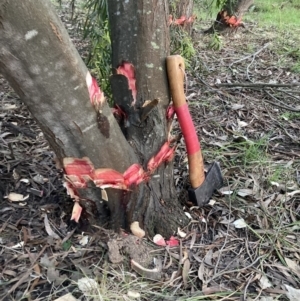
(175, 69)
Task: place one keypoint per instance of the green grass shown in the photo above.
(279, 13)
(275, 12)
(291, 115)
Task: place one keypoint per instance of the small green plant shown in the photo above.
(95, 28)
(296, 68)
(216, 42)
(181, 43)
(276, 174)
(67, 245)
(221, 3)
(256, 152)
(291, 115)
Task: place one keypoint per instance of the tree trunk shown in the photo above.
(184, 8)
(237, 7)
(230, 16)
(44, 68)
(140, 36)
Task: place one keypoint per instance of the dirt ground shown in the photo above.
(245, 102)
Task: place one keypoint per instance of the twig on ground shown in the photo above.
(289, 94)
(256, 85)
(246, 287)
(279, 104)
(237, 270)
(225, 241)
(251, 55)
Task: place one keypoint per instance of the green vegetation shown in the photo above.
(275, 12)
(182, 43)
(96, 29)
(262, 12)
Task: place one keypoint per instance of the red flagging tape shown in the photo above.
(188, 129)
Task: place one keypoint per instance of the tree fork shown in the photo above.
(46, 71)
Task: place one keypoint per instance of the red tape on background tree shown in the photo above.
(188, 129)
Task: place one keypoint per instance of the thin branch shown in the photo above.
(251, 55)
(256, 85)
(289, 94)
(279, 103)
(237, 270)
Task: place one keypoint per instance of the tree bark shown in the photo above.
(237, 7)
(44, 68)
(140, 35)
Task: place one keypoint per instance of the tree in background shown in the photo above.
(182, 13)
(44, 68)
(230, 15)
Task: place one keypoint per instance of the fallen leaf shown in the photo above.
(237, 106)
(184, 257)
(185, 272)
(17, 246)
(38, 179)
(181, 233)
(293, 294)
(201, 271)
(84, 240)
(17, 197)
(264, 282)
(293, 266)
(245, 192)
(133, 294)
(225, 191)
(48, 228)
(188, 215)
(240, 223)
(88, 286)
(46, 262)
(26, 181)
(242, 123)
(211, 202)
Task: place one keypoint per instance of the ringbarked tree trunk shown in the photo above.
(183, 10)
(230, 16)
(140, 36)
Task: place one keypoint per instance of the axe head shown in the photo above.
(213, 181)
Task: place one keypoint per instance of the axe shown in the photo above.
(203, 184)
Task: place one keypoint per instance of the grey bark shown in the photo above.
(237, 7)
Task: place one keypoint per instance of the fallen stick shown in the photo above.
(256, 85)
